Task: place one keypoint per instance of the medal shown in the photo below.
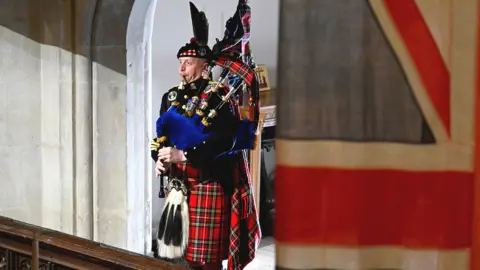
(172, 96)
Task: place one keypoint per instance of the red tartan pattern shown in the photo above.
(243, 212)
(243, 71)
(243, 219)
(238, 68)
(185, 171)
(209, 211)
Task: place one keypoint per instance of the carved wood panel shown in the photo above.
(23, 246)
(11, 260)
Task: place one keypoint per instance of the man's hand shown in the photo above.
(171, 155)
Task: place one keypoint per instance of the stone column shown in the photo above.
(83, 114)
(139, 122)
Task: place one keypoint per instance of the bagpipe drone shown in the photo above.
(188, 128)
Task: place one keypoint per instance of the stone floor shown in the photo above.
(265, 257)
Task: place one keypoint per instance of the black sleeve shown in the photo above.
(154, 145)
(221, 140)
(164, 104)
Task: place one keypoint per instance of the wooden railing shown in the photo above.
(23, 246)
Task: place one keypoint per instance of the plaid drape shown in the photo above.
(244, 226)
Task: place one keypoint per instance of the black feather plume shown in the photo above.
(170, 226)
(163, 223)
(200, 25)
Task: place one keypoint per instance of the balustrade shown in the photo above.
(24, 246)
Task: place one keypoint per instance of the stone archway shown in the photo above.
(139, 117)
(69, 121)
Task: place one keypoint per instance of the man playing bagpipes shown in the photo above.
(200, 151)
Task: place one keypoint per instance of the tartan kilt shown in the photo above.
(209, 211)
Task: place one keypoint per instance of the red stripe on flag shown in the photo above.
(373, 207)
(425, 53)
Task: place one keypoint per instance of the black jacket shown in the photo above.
(223, 128)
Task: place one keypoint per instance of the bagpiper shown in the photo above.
(200, 150)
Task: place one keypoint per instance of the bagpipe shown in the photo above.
(232, 54)
(188, 127)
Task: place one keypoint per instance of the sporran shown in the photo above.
(173, 229)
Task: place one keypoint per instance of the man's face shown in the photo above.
(191, 68)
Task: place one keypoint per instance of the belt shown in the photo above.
(187, 172)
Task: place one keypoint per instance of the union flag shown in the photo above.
(390, 205)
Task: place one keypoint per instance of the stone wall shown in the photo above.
(63, 118)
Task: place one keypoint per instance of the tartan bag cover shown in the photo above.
(245, 231)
